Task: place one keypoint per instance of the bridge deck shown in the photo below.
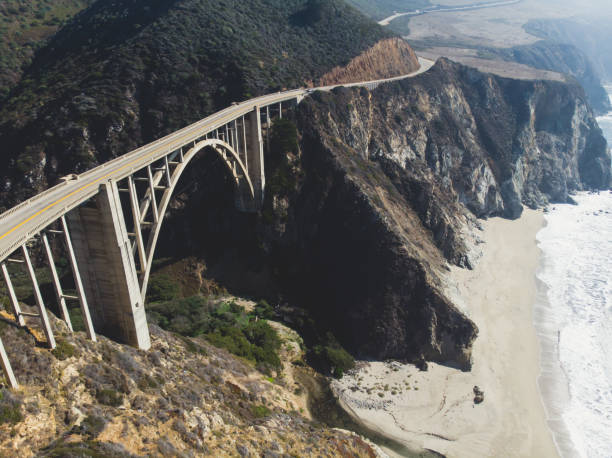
(20, 223)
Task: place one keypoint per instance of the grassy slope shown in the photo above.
(127, 72)
(380, 9)
(24, 27)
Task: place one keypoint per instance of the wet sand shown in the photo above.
(435, 410)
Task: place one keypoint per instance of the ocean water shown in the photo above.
(573, 318)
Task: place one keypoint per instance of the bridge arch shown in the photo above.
(242, 181)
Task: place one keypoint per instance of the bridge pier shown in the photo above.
(253, 143)
(103, 251)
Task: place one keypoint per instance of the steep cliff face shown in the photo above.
(589, 34)
(495, 143)
(562, 58)
(398, 172)
(386, 59)
(382, 190)
(371, 266)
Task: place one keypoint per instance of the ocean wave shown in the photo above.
(576, 270)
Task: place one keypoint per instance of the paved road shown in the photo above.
(449, 9)
(20, 223)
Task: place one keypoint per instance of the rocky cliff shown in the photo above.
(182, 398)
(386, 59)
(401, 170)
(589, 34)
(496, 143)
(382, 189)
(562, 58)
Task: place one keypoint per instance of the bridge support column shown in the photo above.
(103, 251)
(6, 368)
(255, 158)
(14, 302)
(42, 310)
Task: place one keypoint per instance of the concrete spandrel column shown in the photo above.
(14, 302)
(76, 274)
(59, 292)
(6, 367)
(42, 310)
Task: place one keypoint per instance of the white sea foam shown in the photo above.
(574, 322)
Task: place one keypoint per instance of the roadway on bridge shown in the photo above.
(20, 223)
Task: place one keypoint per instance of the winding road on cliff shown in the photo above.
(449, 9)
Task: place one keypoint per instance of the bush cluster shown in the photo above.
(329, 357)
(226, 325)
(10, 408)
(260, 411)
(109, 397)
(64, 350)
(162, 288)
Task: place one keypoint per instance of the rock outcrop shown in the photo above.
(386, 59)
(394, 178)
(562, 58)
(383, 190)
(184, 397)
(497, 144)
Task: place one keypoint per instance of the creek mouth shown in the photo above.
(327, 410)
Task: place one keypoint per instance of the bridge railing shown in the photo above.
(197, 130)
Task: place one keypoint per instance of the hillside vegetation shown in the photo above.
(24, 27)
(184, 397)
(129, 71)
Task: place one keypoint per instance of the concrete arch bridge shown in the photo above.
(108, 219)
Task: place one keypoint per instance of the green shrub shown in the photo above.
(64, 350)
(188, 317)
(227, 326)
(109, 397)
(332, 359)
(10, 409)
(260, 411)
(93, 425)
(257, 342)
(10, 414)
(146, 381)
(162, 288)
(264, 310)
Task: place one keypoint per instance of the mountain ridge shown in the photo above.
(127, 72)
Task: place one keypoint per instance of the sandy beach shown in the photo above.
(435, 410)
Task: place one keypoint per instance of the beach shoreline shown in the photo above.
(435, 409)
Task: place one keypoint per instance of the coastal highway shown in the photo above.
(20, 223)
(449, 9)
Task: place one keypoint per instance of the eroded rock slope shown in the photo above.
(382, 190)
(182, 398)
(393, 180)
